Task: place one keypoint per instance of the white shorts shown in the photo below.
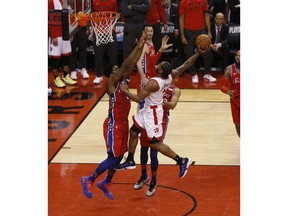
(63, 48)
(150, 118)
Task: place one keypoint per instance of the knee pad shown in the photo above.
(135, 129)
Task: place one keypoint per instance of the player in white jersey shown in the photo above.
(150, 117)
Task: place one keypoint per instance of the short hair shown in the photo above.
(166, 68)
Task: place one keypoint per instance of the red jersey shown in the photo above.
(168, 94)
(119, 105)
(148, 63)
(194, 13)
(234, 81)
(156, 13)
(54, 31)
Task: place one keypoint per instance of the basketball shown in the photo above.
(202, 41)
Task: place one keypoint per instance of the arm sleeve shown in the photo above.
(224, 85)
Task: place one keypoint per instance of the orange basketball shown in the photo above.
(202, 41)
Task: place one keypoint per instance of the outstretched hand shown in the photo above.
(164, 44)
(142, 39)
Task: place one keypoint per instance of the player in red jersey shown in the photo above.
(231, 86)
(170, 100)
(146, 64)
(115, 126)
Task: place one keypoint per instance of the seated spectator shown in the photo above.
(219, 47)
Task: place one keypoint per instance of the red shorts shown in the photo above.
(116, 136)
(235, 110)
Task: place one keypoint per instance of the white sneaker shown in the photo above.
(49, 90)
(195, 78)
(84, 73)
(97, 80)
(209, 78)
(73, 75)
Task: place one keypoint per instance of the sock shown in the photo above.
(144, 155)
(55, 76)
(154, 159)
(153, 180)
(65, 73)
(144, 173)
(178, 160)
(92, 177)
(108, 178)
(130, 157)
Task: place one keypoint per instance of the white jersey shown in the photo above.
(156, 98)
(150, 117)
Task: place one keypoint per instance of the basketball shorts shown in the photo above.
(63, 48)
(144, 139)
(235, 110)
(116, 136)
(150, 119)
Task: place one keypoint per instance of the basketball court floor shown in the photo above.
(200, 127)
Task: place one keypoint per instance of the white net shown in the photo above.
(103, 24)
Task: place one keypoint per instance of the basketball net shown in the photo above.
(102, 23)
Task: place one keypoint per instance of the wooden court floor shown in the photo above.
(200, 127)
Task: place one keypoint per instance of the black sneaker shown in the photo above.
(184, 167)
(151, 189)
(139, 184)
(125, 165)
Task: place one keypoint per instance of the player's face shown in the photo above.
(159, 68)
(237, 57)
(149, 32)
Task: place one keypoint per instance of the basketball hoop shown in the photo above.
(102, 22)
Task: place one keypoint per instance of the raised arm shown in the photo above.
(151, 86)
(129, 63)
(188, 63)
(174, 100)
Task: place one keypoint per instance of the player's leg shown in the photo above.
(154, 167)
(88, 181)
(143, 160)
(105, 184)
(164, 149)
(133, 140)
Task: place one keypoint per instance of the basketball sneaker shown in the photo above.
(195, 78)
(74, 75)
(104, 186)
(58, 82)
(151, 189)
(184, 166)
(139, 184)
(49, 90)
(209, 78)
(68, 80)
(97, 80)
(125, 165)
(86, 186)
(84, 73)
